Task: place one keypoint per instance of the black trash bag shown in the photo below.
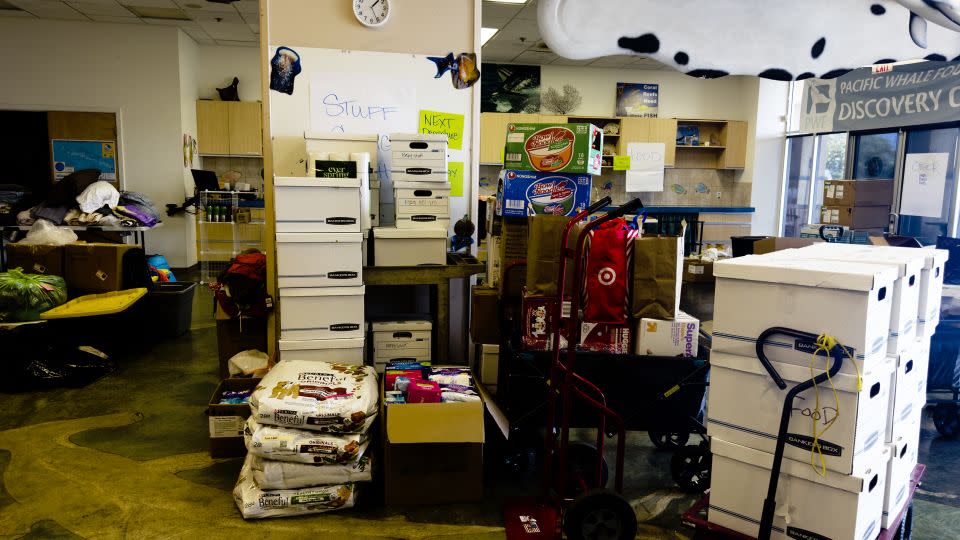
(55, 367)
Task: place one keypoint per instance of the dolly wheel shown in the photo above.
(665, 440)
(600, 514)
(946, 417)
(582, 463)
(690, 468)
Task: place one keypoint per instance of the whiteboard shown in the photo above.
(374, 81)
(924, 179)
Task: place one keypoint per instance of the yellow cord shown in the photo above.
(826, 343)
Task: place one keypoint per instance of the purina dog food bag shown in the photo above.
(285, 475)
(298, 445)
(319, 396)
(255, 503)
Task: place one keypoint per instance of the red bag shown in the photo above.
(606, 291)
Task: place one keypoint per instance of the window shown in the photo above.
(796, 195)
(876, 156)
(831, 165)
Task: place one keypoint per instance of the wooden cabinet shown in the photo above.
(493, 129)
(650, 130)
(734, 138)
(727, 148)
(229, 128)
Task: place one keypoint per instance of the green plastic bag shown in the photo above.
(23, 297)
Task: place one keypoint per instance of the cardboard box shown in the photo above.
(327, 205)
(697, 271)
(489, 365)
(226, 422)
(677, 337)
(903, 459)
(338, 351)
(858, 192)
(319, 260)
(235, 336)
(777, 243)
(36, 259)
(906, 289)
(931, 283)
(850, 301)
(409, 247)
(512, 244)
(539, 323)
(484, 315)
(94, 268)
(745, 407)
(571, 148)
(606, 338)
(907, 391)
(322, 313)
(856, 217)
(835, 506)
(526, 193)
(433, 452)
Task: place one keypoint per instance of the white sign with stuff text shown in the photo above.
(362, 104)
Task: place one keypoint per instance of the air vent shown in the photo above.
(169, 14)
(540, 46)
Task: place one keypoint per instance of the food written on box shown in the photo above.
(571, 148)
(525, 193)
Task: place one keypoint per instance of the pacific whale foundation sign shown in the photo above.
(882, 96)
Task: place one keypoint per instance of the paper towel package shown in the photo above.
(850, 301)
(745, 408)
(836, 506)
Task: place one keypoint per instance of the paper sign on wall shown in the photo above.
(455, 176)
(441, 123)
(646, 167)
(362, 104)
(621, 163)
(924, 178)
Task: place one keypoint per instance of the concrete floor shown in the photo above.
(126, 457)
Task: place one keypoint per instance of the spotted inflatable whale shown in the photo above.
(774, 39)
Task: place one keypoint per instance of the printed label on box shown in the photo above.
(226, 426)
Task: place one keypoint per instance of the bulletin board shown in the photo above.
(377, 93)
(69, 156)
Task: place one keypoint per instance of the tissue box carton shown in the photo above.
(570, 148)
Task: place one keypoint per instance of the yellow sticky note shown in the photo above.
(455, 176)
(441, 123)
(621, 163)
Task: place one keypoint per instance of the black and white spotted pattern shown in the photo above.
(784, 40)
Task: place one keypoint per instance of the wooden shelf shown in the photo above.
(711, 147)
(605, 136)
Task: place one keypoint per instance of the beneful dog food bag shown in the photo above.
(301, 446)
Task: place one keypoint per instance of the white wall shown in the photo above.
(189, 55)
(133, 69)
(768, 155)
(219, 65)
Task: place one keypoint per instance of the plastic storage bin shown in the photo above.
(170, 308)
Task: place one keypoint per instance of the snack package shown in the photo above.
(451, 375)
(255, 503)
(285, 475)
(319, 396)
(301, 446)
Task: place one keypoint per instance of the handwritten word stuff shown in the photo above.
(336, 107)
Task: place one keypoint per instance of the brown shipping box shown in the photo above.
(433, 452)
(36, 259)
(697, 271)
(857, 192)
(777, 243)
(226, 421)
(235, 336)
(484, 315)
(856, 217)
(94, 268)
(513, 247)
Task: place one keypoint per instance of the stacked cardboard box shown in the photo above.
(401, 341)
(858, 204)
(321, 223)
(850, 443)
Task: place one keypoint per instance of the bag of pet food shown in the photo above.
(285, 475)
(606, 288)
(255, 503)
(319, 396)
(298, 445)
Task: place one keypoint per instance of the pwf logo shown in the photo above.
(818, 98)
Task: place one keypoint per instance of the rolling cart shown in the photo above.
(575, 474)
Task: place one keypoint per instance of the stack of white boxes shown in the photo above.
(401, 340)
(421, 190)
(869, 299)
(321, 221)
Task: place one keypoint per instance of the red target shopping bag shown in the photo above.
(607, 284)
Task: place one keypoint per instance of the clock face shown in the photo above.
(371, 13)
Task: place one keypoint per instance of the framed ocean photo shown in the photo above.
(688, 135)
(638, 99)
(508, 88)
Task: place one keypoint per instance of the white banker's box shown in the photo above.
(409, 247)
(320, 205)
(907, 392)
(745, 408)
(931, 285)
(836, 506)
(847, 300)
(903, 458)
(321, 313)
(337, 351)
(319, 259)
(906, 290)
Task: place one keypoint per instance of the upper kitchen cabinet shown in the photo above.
(229, 128)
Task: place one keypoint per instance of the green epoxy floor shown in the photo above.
(126, 457)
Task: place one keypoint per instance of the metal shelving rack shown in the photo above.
(220, 235)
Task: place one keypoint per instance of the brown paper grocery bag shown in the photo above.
(657, 275)
(543, 254)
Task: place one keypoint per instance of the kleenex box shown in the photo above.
(677, 337)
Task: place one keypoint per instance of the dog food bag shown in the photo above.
(319, 396)
(285, 475)
(301, 446)
(255, 503)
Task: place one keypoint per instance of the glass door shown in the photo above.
(928, 190)
(796, 192)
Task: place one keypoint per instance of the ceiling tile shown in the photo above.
(561, 61)
(50, 9)
(101, 8)
(15, 13)
(218, 31)
(251, 18)
(498, 11)
(203, 5)
(115, 19)
(536, 58)
(255, 28)
(234, 43)
(612, 61)
(247, 6)
(199, 35)
(529, 11)
(150, 3)
(204, 17)
(171, 22)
